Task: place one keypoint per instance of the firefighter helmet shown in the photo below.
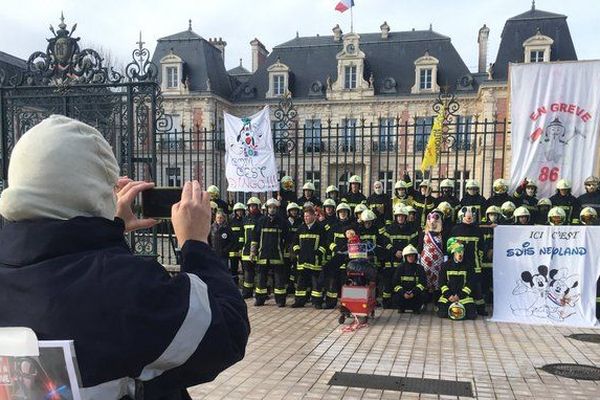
(425, 183)
(445, 208)
(254, 200)
(400, 185)
(556, 212)
(508, 208)
(522, 212)
(360, 208)
(329, 203)
(588, 215)
(447, 183)
(308, 204)
(410, 209)
(544, 202)
(456, 311)
(563, 184)
(531, 183)
(292, 206)
(239, 206)
(400, 210)
(287, 182)
(500, 186)
(472, 184)
(355, 179)
(408, 250)
(493, 210)
(213, 190)
(592, 180)
(331, 188)
(367, 215)
(342, 206)
(309, 186)
(213, 206)
(263, 207)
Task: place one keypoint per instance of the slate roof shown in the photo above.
(523, 26)
(11, 65)
(202, 61)
(313, 59)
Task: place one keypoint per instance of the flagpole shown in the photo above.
(352, 18)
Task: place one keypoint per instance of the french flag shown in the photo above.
(344, 5)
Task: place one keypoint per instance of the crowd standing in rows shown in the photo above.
(426, 248)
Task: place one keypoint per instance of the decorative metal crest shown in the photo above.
(285, 117)
(447, 101)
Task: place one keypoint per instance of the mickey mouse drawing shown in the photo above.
(549, 293)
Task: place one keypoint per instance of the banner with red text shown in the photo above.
(555, 114)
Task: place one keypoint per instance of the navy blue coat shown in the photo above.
(133, 325)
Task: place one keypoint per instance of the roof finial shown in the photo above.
(189, 24)
(532, 5)
(62, 21)
(297, 34)
(240, 62)
(430, 26)
(140, 43)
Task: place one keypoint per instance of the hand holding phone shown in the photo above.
(191, 216)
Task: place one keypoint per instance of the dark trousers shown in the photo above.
(470, 310)
(261, 291)
(413, 304)
(314, 279)
(281, 277)
(248, 284)
(487, 284)
(478, 293)
(335, 277)
(387, 276)
(234, 268)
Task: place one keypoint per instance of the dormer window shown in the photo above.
(279, 79)
(350, 77)
(537, 48)
(171, 67)
(426, 68)
(278, 85)
(425, 75)
(172, 77)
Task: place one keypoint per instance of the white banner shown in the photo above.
(555, 114)
(249, 156)
(546, 274)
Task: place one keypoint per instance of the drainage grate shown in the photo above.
(586, 337)
(574, 371)
(402, 384)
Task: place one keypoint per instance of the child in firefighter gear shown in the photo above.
(493, 214)
(557, 216)
(499, 194)
(447, 195)
(337, 246)
(457, 282)
(294, 220)
(222, 205)
(268, 243)
(287, 194)
(431, 246)
(332, 192)
(401, 196)
(237, 229)
(525, 195)
(354, 197)
(470, 235)
(309, 249)
(591, 197)
(381, 204)
(543, 207)
(308, 195)
(565, 200)
(409, 282)
(400, 234)
(423, 202)
(522, 216)
(248, 263)
(508, 213)
(222, 238)
(472, 198)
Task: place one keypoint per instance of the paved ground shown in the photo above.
(293, 353)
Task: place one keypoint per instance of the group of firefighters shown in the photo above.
(426, 248)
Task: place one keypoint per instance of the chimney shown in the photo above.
(482, 39)
(259, 54)
(219, 44)
(385, 30)
(337, 33)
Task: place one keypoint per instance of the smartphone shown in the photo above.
(157, 202)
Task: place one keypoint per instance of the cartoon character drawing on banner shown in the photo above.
(554, 139)
(246, 139)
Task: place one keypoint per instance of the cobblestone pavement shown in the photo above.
(293, 353)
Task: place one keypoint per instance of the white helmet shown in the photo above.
(342, 206)
(425, 183)
(355, 179)
(472, 184)
(331, 188)
(212, 189)
(400, 185)
(508, 208)
(213, 205)
(447, 183)
(588, 214)
(254, 200)
(328, 203)
(563, 184)
(367, 215)
(410, 249)
(400, 210)
(410, 209)
(272, 203)
(521, 212)
(544, 202)
(500, 186)
(445, 208)
(360, 208)
(292, 206)
(309, 186)
(557, 212)
(239, 206)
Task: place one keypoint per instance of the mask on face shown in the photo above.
(378, 190)
(493, 217)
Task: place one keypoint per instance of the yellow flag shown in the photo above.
(434, 144)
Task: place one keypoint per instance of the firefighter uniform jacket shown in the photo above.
(314, 200)
(404, 201)
(329, 222)
(424, 205)
(400, 236)
(293, 225)
(222, 206)
(379, 201)
(487, 233)
(529, 202)
(221, 239)
(497, 200)
(309, 246)
(590, 200)
(237, 228)
(477, 201)
(456, 279)
(248, 228)
(354, 199)
(472, 238)
(453, 201)
(570, 204)
(409, 277)
(269, 237)
(336, 238)
(382, 245)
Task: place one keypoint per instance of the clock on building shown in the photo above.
(350, 48)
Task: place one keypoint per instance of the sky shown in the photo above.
(114, 26)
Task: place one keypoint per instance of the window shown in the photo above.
(350, 77)
(425, 78)
(278, 85)
(536, 56)
(172, 139)
(173, 176)
(464, 128)
(343, 184)
(422, 131)
(315, 178)
(312, 135)
(386, 134)
(349, 134)
(172, 77)
(387, 178)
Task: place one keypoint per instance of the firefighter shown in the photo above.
(222, 205)
(470, 235)
(565, 200)
(237, 228)
(222, 239)
(332, 192)
(381, 204)
(287, 193)
(309, 250)
(263, 210)
(329, 217)
(308, 195)
(447, 195)
(472, 198)
(268, 244)
(381, 247)
(508, 213)
(358, 210)
(457, 282)
(400, 234)
(214, 207)
(423, 202)
(557, 216)
(499, 194)
(543, 207)
(354, 197)
(294, 220)
(522, 216)
(525, 196)
(337, 242)
(493, 214)
(409, 282)
(448, 214)
(401, 196)
(412, 216)
(248, 263)
(589, 216)
(591, 197)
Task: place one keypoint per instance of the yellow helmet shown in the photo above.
(557, 212)
(500, 186)
(367, 215)
(445, 208)
(239, 206)
(588, 215)
(254, 200)
(508, 207)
